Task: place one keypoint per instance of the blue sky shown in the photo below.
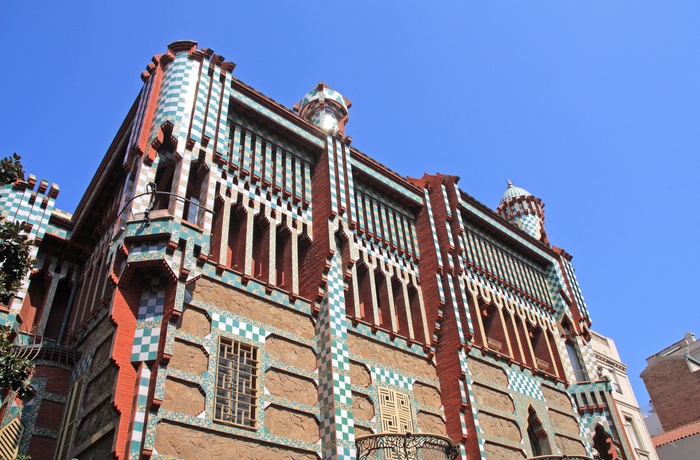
(592, 106)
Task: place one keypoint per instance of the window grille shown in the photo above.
(236, 383)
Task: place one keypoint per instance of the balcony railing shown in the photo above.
(563, 457)
(406, 446)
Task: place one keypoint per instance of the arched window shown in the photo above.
(538, 438)
(604, 444)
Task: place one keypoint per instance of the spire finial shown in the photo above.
(510, 184)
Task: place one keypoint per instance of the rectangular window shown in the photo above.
(632, 432)
(236, 383)
(576, 362)
(69, 416)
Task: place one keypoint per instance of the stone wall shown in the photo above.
(173, 440)
(195, 321)
(488, 372)
(362, 406)
(563, 421)
(570, 446)
(246, 305)
(492, 398)
(391, 357)
(427, 395)
(291, 387)
(499, 426)
(431, 423)
(359, 374)
(189, 357)
(294, 354)
(291, 424)
(183, 397)
(498, 452)
(556, 398)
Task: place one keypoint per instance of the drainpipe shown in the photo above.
(69, 307)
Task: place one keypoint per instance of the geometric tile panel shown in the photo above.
(523, 383)
(151, 305)
(145, 346)
(139, 417)
(236, 327)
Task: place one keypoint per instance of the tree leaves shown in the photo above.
(11, 169)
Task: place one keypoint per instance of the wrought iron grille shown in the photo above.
(236, 383)
(564, 457)
(389, 446)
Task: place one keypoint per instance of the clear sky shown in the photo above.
(593, 106)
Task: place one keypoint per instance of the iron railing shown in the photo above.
(408, 446)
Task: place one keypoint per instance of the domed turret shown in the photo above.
(325, 108)
(521, 208)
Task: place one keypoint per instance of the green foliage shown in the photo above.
(15, 259)
(11, 169)
(15, 371)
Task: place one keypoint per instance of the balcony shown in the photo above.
(563, 457)
(406, 446)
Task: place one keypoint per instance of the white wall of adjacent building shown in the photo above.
(613, 368)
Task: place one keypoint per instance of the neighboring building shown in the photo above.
(611, 366)
(682, 443)
(673, 382)
(238, 281)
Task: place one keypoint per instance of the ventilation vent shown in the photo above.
(10, 437)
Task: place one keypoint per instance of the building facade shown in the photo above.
(673, 382)
(610, 366)
(238, 280)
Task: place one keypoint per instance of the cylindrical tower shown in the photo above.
(521, 208)
(325, 108)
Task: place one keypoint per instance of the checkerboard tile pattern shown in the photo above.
(525, 384)
(388, 377)
(530, 224)
(145, 346)
(148, 321)
(335, 396)
(236, 327)
(138, 419)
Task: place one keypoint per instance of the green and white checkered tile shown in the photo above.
(389, 377)
(236, 327)
(139, 417)
(145, 346)
(151, 305)
(525, 384)
(147, 246)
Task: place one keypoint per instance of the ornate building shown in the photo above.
(238, 281)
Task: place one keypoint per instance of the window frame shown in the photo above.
(238, 392)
